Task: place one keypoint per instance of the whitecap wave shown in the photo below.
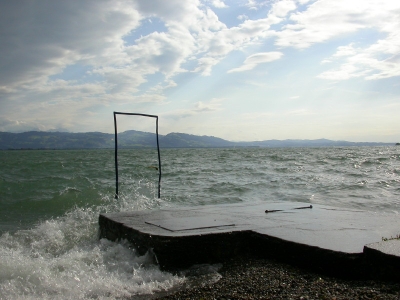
(64, 259)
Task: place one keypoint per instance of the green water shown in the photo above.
(50, 202)
(38, 185)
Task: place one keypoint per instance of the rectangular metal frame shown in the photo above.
(116, 149)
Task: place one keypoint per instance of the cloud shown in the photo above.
(282, 8)
(221, 43)
(299, 112)
(212, 105)
(188, 26)
(256, 116)
(40, 38)
(14, 125)
(255, 5)
(378, 61)
(252, 4)
(139, 53)
(198, 108)
(38, 43)
(92, 33)
(259, 58)
(303, 1)
(34, 125)
(345, 72)
(325, 19)
(218, 3)
(345, 51)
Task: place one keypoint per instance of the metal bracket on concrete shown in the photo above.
(275, 210)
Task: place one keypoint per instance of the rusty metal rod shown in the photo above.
(275, 210)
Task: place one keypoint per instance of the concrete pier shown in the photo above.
(332, 240)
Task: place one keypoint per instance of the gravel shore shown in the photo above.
(251, 278)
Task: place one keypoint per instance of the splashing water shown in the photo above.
(63, 258)
(50, 202)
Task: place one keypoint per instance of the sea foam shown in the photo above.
(63, 258)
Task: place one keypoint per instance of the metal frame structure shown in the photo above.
(116, 149)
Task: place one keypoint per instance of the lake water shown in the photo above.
(50, 202)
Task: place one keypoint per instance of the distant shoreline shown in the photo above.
(40, 140)
(169, 148)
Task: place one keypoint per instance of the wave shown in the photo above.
(62, 258)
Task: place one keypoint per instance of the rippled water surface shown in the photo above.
(50, 202)
(359, 177)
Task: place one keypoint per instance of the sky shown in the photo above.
(242, 70)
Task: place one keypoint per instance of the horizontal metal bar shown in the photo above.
(134, 114)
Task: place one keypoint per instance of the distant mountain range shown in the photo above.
(139, 139)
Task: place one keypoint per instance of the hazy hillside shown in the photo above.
(138, 139)
(55, 140)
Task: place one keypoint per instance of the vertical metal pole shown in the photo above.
(159, 160)
(116, 156)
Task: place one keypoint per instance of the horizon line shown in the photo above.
(235, 141)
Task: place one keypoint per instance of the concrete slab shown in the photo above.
(320, 235)
(384, 257)
(388, 247)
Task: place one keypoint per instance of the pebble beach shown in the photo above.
(253, 278)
